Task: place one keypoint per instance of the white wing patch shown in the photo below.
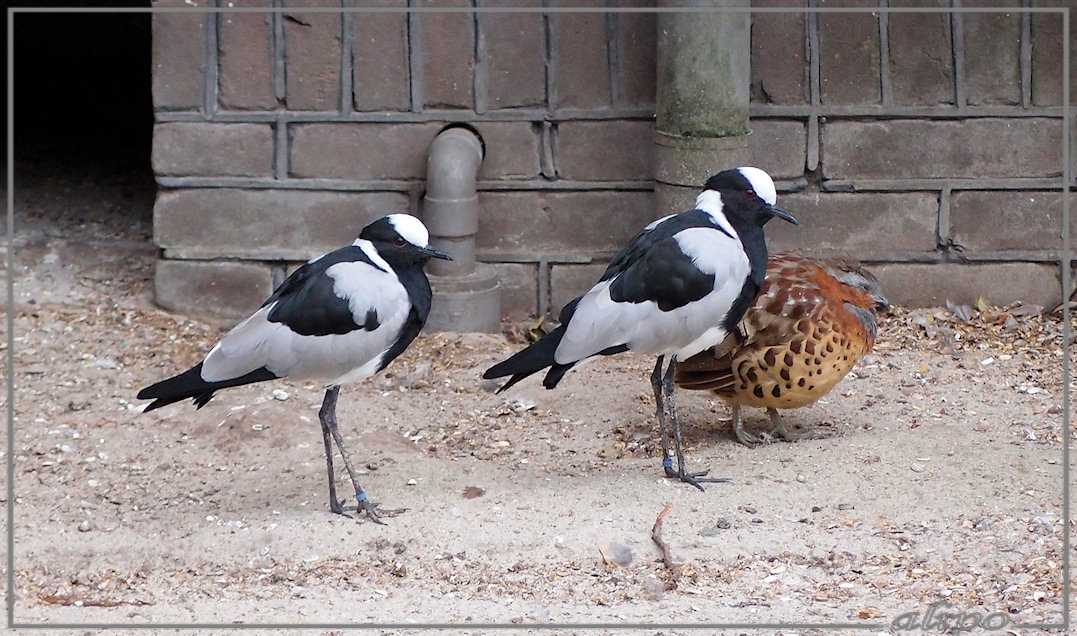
(655, 223)
(337, 358)
(366, 288)
(600, 323)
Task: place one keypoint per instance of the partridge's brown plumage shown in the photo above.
(812, 321)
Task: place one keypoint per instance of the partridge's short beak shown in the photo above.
(881, 302)
(782, 214)
(433, 253)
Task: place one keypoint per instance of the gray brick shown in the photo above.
(777, 146)
(246, 58)
(201, 149)
(581, 64)
(569, 281)
(624, 150)
(361, 151)
(569, 223)
(519, 293)
(921, 60)
(448, 66)
(265, 224)
(512, 150)
(1001, 220)
(1047, 43)
(178, 57)
(223, 289)
(312, 56)
(863, 225)
(849, 55)
(993, 73)
(899, 149)
(605, 150)
(381, 78)
(515, 54)
(931, 285)
(779, 67)
(636, 42)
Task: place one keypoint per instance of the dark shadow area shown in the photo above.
(84, 187)
(83, 120)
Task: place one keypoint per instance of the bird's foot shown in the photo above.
(694, 479)
(372, 510)
(783, 433)
(750, 440)
(778, 434)
(786, 436)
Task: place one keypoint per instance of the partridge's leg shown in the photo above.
(743, 436)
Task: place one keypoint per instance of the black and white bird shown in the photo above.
(341, 317)
(680, 286)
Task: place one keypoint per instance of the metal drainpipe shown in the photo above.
(467, 296)
(702, 93)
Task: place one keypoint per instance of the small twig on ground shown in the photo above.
(667, 558)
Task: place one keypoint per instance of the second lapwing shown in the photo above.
(680, 286)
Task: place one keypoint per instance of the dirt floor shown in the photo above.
(939, 479)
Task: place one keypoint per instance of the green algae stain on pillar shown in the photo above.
(703, 75)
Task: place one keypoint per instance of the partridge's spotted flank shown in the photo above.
(813, 321)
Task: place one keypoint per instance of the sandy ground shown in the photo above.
(939, 479)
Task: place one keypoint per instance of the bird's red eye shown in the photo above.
(398, 241)
(749, 193)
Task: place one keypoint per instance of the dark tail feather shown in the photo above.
(190, 384)
(533, 359)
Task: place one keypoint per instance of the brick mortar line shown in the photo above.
(758, 111)
(493, 257)
(393, 185)
(405, 117)
(480, 77)
(886, 90)
(1026, 55)
(905, 112)
(957, 50)
(416, 55)
(211, 89)
(795, 186)
(347, 89)
(941, 183)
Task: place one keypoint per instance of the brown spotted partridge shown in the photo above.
(811, 323)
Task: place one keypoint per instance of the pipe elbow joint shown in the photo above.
(451, 206)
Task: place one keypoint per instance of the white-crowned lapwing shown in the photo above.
(341, 317)
(680, 286)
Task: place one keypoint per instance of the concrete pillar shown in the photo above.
(704, 73)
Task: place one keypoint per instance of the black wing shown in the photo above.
(307, 304)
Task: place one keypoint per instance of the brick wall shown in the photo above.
(927, 144)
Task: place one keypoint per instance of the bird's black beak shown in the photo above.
(433, 253)
(782, 214)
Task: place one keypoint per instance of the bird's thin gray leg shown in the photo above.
(671, 414)
(660, 413)
(328, 416)
(327, 411)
